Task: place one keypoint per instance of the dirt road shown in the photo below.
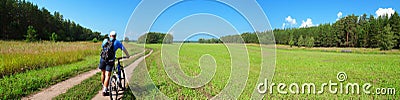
(62, 87)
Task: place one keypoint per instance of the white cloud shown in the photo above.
(384, 12)
(290, 20)
(307, 23)
(283, 26)
(339, 15)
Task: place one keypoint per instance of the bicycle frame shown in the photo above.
(116, 78)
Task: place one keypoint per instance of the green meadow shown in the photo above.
(292, 66)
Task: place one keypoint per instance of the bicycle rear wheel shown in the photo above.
(113, 87)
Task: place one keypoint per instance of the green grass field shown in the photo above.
(292, 66)
(57, 63)
(18, 56)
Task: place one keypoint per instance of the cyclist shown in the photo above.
(106, 68)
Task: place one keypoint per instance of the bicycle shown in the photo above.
(117, 79)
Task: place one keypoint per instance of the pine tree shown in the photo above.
(291, 41)
(310, 42)
(300, 41)
(395, 24)
(386, 39)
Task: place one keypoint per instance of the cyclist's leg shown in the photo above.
(107, 76)
(103, 74)
(102, 67)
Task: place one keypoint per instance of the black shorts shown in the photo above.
(104, 66)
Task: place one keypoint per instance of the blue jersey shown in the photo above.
(117, 44)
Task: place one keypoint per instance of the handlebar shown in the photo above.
(119, 58)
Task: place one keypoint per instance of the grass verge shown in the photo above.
(23, 84)
(128, 95)
(83, 91)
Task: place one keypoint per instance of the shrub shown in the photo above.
(95, 40)
(30, 34)
(54, 37)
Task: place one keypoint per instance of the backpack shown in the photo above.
(108, 53)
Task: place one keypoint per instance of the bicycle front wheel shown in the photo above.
(123, 80)
(113, 87)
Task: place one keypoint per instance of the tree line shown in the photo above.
(155, 37)
(22, 20)
(212, 40)
(351, 31)
(246, 37)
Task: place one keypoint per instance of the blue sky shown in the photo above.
(105, 15)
